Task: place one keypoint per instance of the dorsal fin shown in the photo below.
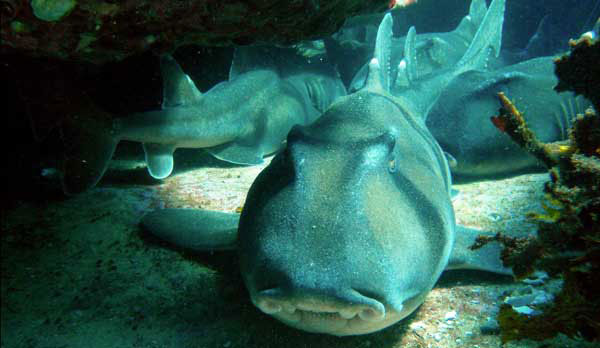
(407, 68)
(469, 24)
(410, 54)
(178, 88)
(246, 59)
(380, 65)
(477, 11)
(488, 36)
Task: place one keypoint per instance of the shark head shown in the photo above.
(336, 237)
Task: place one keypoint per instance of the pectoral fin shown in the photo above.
(486, 258)
(159, 159)
(237, 153)
(195, 229)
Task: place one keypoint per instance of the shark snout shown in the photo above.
(348, 305)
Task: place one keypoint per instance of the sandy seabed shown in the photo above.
(78, 272)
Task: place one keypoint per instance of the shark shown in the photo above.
(349, 227)
(238, 121)
(460, 119)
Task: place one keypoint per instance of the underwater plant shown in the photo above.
(567, 244)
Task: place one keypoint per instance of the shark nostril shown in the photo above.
(371, 309)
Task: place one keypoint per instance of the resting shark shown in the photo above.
(239, 120)
(460, 119)
(350, 226)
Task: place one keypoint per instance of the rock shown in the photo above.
(519, 301)
(418, 325)
(542, 298)
(526, 310)
(450, 316)
(536, 279)
(490, 327)
(99, 31)
(537, 297)
(52, 10)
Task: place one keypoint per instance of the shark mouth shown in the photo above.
(318, 315)
(307, 310)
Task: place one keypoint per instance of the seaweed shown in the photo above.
(579, 71)
(567, 244)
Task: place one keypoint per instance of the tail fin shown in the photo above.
(89, 146)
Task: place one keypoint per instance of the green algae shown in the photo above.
(52, 10)
(567, 244)
(19, 27)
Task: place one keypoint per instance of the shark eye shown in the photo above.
(392, 165)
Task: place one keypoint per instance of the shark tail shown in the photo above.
(89, 144)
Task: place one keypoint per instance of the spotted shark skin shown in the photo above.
(239, 121)
(350, 226)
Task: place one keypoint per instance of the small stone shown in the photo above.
(538, 278)
(534, 282)
(437, 336)
(542, 297)
(450, 315)
(417, 326)
(491, 310)
(519, 301)
(490, 327)
(495, 217)
(526, 310)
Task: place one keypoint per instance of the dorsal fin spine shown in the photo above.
(410, 54)
(380, 65)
